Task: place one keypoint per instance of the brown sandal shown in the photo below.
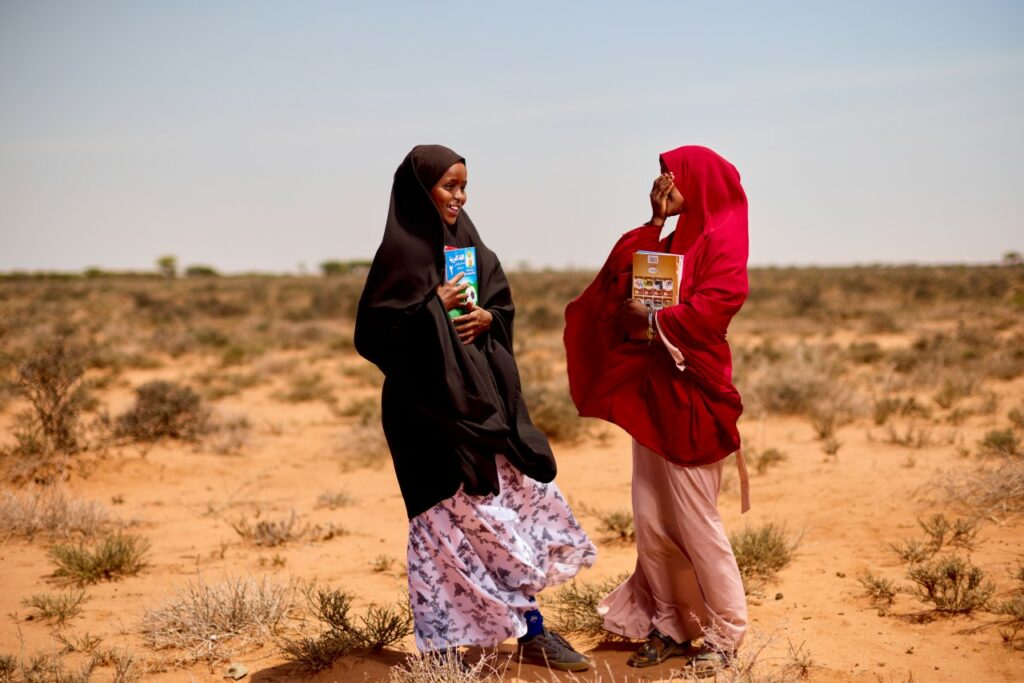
(656, 649)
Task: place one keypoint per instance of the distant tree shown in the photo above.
(201, 271)
(1013, 258)
(168, 266)
(329, 268)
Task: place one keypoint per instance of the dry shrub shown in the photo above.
(304, 387)
(912, 435)
(51, 381)
(451, 669)
(114, 556)
(334, 499)
(272, 533)
(988, 491)
(164, 409)
(951, 584)
(341, 633)
(954, 389)
(762, 461)
(553, 412)
(887, 406)
(366, 409)
(212, 622)
(1000, 443)
(573, 607)
(218, 384)
(54, 513)
(836, 409)
(802, 379)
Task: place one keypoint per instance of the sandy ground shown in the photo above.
(844, 510)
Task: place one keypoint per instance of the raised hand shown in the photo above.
(660, 192)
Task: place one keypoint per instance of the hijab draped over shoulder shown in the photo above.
(447, 408)
(689, 416)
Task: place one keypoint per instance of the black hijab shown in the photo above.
(447, 408)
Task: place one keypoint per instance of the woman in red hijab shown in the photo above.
(673, 393)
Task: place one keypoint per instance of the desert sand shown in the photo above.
(812, 620)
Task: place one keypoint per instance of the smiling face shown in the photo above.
(449, 194)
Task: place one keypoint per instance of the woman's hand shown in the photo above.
(660, 198)
(473, 324)
(452, 293)
(632, 317)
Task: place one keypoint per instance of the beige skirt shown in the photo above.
(686, 583)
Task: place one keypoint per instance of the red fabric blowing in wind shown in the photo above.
(690, 416)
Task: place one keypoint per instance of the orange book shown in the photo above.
(656, 278)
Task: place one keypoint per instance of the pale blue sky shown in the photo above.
(260, 135)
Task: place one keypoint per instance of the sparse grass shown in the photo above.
(52, 513)
(799, 660)
(272, 533)
(365, 446)
(762, 461)
(341, 633)
(831, 446)
(573, 607)
(617, 524)
(912, 550)
(307, 386)
(45, 667)
(212, 622)
(888, 406)
(334, 499)
(802, 379)
(382, 563)
(367, 410)
(951, 584)
(961, 533)
(761, 552)
(59, 607)
(164, 409)
(1012, 610)
(954, 390)
(881, 591)
(912, 436)
(229, 435)
(1016, 417)
(116, 555)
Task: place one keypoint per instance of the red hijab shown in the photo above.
(687, 416)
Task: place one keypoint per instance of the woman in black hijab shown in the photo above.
(488, 528)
